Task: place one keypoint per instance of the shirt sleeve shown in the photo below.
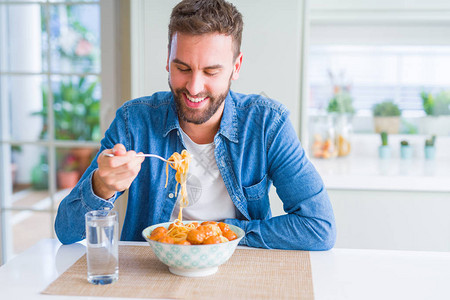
(70, 218)
(70, 222)
(309, 222)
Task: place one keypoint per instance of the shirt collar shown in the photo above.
(228, 124)
(172, 117)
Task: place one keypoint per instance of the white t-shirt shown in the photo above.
(208, 197)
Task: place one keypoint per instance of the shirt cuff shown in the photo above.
(241, 224)
(91, 200)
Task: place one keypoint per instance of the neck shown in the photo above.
(201, 133)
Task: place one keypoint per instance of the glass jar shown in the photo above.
(344, 131)
(323, 137)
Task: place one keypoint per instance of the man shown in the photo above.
(241, 144)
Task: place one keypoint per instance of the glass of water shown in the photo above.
(102, 246)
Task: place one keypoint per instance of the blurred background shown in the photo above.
(367, 84)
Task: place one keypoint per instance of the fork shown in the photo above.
(145, 155)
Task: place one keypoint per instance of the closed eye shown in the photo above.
(210, 73)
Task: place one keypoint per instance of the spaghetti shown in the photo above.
(179, 231)
(208, 232)
(181, 165)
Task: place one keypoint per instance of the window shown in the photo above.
(382, 51)
(376, 73)
(50, 111)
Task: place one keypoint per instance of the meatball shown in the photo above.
(210, 229)
(206, 230)
(196, 237)
(208, 222)
(195, 224)
(183, 242)
(213, 240)
(158, 233)
(167, 239)
(224, 227)
(230, 235)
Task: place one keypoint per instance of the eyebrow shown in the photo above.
(177, 61)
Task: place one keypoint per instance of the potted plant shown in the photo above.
(76, 111)
(76, 115)
(437, 110)
(405, 150)
(386, 116)
(341, 102)
(68, 174)
(430, 148)
(384, 150)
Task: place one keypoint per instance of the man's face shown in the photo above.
(201, 68)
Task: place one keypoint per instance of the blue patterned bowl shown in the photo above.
(193, 260)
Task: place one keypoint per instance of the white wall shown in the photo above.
(271, 46)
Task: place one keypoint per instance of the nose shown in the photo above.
(195, 84)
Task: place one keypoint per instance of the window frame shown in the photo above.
(109, 18)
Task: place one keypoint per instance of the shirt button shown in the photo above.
(171, 195)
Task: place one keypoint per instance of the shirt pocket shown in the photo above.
(257, 191)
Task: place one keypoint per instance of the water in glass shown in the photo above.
(102, 247)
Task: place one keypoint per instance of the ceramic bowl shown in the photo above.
(193, 260)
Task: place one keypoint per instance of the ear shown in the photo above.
(168, 57)
(237, 67)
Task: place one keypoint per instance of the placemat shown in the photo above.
(248, 274)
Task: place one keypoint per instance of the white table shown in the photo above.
(337, 274)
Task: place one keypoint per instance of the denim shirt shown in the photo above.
(256, 146)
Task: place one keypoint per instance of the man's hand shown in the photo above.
(116, 173)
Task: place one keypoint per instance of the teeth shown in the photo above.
(195, 100)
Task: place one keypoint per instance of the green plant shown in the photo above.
(39, 174)
(341, 102)
(442, 104)
(431, 141)
(427, 102)
(384, 138)
(386, 108)
(16, 148)
(436, 105)
(404, 143)
(76, 111)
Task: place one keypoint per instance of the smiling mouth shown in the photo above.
(195, 99)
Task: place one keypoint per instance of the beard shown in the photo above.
(191, 115)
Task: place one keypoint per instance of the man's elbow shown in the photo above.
(66, 239)
(65, 235)
(328, 242)
(327, 239)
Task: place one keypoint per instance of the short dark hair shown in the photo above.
(198, 17)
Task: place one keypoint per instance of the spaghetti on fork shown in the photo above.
(181, 165)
